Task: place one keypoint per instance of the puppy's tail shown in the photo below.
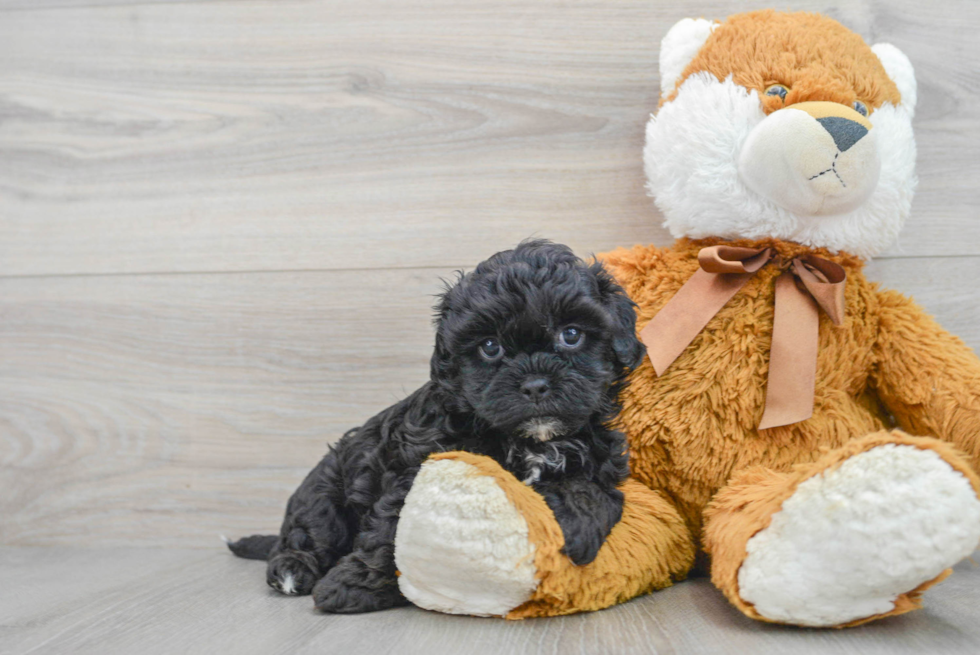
(258, 546)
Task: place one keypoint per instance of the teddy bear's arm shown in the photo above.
(927, 378)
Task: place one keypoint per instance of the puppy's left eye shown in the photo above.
(571, 337)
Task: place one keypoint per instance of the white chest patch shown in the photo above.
(546, 456)
(552, 459)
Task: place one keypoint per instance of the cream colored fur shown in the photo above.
(850, 540)
(793, 161)
(679, 47)
(899, 69)
(461, 546)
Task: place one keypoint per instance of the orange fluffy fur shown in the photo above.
(692, 431)
(710, 479)
(714, 480)
(815, 56)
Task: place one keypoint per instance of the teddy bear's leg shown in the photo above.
(472, 539)
(462, 547)
(857, 535)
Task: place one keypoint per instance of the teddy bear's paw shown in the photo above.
(851, 541)
(462, 547)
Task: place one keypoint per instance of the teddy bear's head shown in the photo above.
(782, 125)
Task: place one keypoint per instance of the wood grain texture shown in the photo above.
(297, 135)
(166, 408)
(221, 227)
(163, 409)
(150, 601)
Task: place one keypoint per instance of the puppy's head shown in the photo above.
(534, 341)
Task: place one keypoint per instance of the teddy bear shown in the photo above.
(807, 439)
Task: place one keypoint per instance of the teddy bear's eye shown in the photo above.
(860, 107)
(777, 90)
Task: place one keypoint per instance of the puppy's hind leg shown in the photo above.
(364, 580)
(293, 571)
(315, 534)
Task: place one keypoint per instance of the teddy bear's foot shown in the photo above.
(462, 547)
(863, 537)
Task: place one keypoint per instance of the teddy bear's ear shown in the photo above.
(679, 47)
(899, 69)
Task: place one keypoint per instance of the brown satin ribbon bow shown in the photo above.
(793, 354)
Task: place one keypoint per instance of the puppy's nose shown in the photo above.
(536, 389)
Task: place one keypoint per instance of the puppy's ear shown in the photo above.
(443, 368)
(628, 348)
(441, 364)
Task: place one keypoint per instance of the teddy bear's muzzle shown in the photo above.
(812, 158)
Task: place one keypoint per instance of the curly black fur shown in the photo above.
(540, 408)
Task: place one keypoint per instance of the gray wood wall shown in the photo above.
(222, 223)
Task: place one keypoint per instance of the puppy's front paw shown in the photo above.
(292, 573)
(353, 587)
(582, 548)
(586, 512)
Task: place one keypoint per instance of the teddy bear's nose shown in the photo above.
(844, 131)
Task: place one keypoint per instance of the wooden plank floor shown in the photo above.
(148, 601)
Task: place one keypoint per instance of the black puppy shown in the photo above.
(532, 349)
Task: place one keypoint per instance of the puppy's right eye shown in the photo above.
(571, 337)
(491, 350)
